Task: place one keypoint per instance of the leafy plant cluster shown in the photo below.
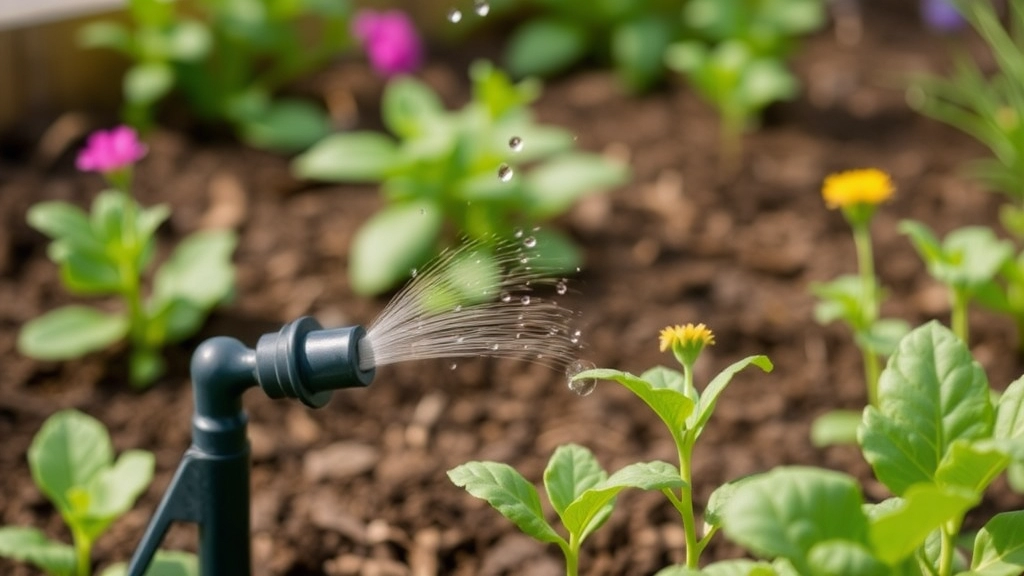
(228, 58)
(72, 463)
(936, 439)
(480, 171)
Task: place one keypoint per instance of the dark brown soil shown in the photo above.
(359, 487)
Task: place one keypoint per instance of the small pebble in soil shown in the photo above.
(580, 387)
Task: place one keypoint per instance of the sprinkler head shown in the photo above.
(307, 362)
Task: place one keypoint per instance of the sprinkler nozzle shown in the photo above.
(307, 362)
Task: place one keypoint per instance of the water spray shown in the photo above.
(481, 299)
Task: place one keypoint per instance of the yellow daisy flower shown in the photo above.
(686, 341)
(864, 186)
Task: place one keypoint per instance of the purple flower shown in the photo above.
(941, 15)
(110, 150)
(390, 41)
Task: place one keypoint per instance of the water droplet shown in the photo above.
(552, 331)
(454, 15)
(524, 260)
(460, 339)
(577, 268)
(530, 242)
(519, 335)
(414, 272)
(482, 7)
(580, 387)
(518, 232)
(506, 297)
(561, 287)
(458, 308)
(575, 338)
(453, 366)
(525, 300)
(515, 144)
(504, 172)
(495, 346)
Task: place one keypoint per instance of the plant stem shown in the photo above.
(958, 314)
(83, 549)
(572, 556)
(947, 547)
(869, 304)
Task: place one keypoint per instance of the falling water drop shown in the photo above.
(458, 307)
(506, 297)
(414, 272)
(575, 338)
(525, 300)
(561, 287)
(482, 7)
(581, 387)
(495, 346)
(530, 242)
(454, 15)
(515, 144)
(518, 233)
(504, 172)
(453, 366)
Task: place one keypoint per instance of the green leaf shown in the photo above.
(999, 546)
(199, 271)
(544, 47)
(555, 253)
(113, 491)
(552, 187)
(509, 493)
(165, 563)
(68, 452)
(145, 366)
(971, 465)
(844, 558)
(835, 428)
(32, 546)
(70, 332)
(1009, 425)
(637, 49)
(786, 512)
(571, 470)
(147, 82)
(709, 397)
(288, 125)
(348, 157)
(764, 81)
(67, 222)
(189, 41)
(718, 500)
(672, 406)
(883, 336)
(105, 34)
(85, 273)
(392, 243)
(896, 533)
(409, 107)
(931, 394)
(724, 568)
(967, 258)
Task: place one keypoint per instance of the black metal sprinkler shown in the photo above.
(211, 485)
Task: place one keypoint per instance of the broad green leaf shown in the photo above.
(719, 498)
(538, 142)
(835, 427)
(392, 243)
(971, 465)
(105, 34)
(147, 82)
(931, 394)
(554, 254)
(571, 470)
(348, 157)
(165, 563)
(709, 396)
(70, 332)
(967, 257)
(637, 49)
(496, 94)
(509, 493)
(664, 377)
(112, 491)
(672, 406)
(544, 47)
(189, 40)
(145, 365)
(32, 546)
(68, 452)
(724, 568)
(900, 530)
(552, 187)
(1009, 425)
(409, 107)
(764, 81)
(85, 273)
(655, 475)
(786, 512)
(199, 270)
(883, 336)
(844, 558)
(64, 221)
(841, 299)
(287, 125)
(999, 546)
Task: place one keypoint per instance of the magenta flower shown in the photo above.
(111, 150)
(390, 41)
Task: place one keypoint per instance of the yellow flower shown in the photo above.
(686, 341)
(847, 189)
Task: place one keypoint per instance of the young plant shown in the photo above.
(580, 491)
(106, 252)
(228, 62)
(674, 398)
(936, 440)
(461, 172)
(738, 60)
(967, 262)
(856, 299)
(72, 463)
(632, 35)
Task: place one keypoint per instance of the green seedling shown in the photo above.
(632, 35)
(580, 491)
(228, 59)
(936, 441)
(72, 463)
(737, 61)
(480, 172)
(966, 262)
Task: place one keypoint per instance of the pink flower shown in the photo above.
(390, 41)
(110, 150)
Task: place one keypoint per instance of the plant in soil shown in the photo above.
(936, 439)
(484, 171)
(856, 300)
(228, 59)
(736, 61)
(106, 253)
(581, 493)
(72, 463)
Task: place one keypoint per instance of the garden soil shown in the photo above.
(359, 487)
